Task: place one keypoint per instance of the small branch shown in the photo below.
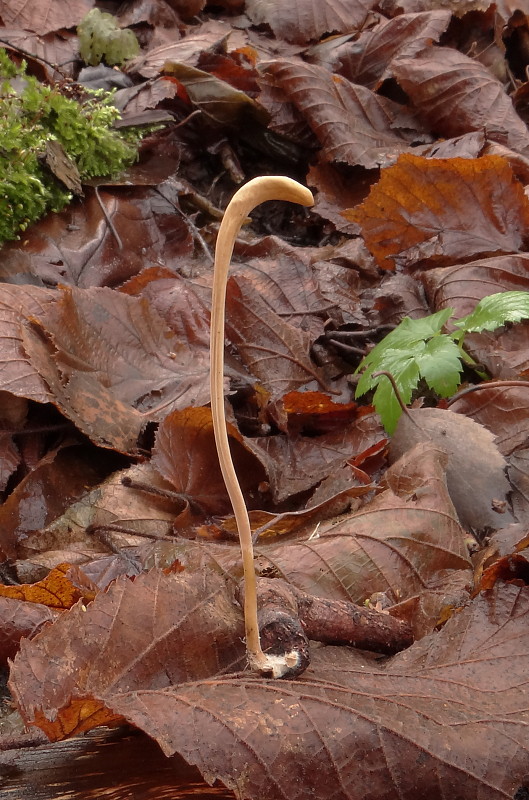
(490, 385)
(107, 217)
(288, 618)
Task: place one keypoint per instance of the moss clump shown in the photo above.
(100, 39)
(33, 114)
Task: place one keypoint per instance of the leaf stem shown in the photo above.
(245, 199)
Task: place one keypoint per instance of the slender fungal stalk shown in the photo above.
(245, 199)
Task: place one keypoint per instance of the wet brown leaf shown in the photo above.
(503, 410)
(20, 619)
(110, 504)
(352, 124)
(158, 630)
(112, 364)
(55, 49)
(57, 480)
(217, 100)
(462, 286)
(405, 545)
(475, 470)
(455, 94)
(367, 59)
(17, 375)
(443, 210)
(302, 21)
(45, 16)
(446, 705)
(296, 464)
(274, 351)
(79, 247)
(185, 455)
(208, 36)
(290, 288)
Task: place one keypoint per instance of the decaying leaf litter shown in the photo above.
(121, 595)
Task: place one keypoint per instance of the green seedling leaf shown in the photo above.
(417, 349)
(440, 365)
(494, 311)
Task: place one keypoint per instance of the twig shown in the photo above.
(245, 199)
(107, 217)
(489, 385)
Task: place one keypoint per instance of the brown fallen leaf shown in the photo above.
(431, 210)
(502, 408)
(112, 364)
(447, 705)
(304, 20)
(44, 17)
(274, 351)
(184, 454)
(158, 630)
(455, 93)
(20, 619)
(368, 57)
(462, 286)
(475, 470)
(353, 124)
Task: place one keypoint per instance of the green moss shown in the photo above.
(100, 39)
(32, 114)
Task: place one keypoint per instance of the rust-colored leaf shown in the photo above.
(443, 210)
(60, 589)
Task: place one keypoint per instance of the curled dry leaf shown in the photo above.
(443, 210)
(447, 705)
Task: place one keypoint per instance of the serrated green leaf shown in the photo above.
(440, 365)
(494, 311)
(405, 338)
(403, 367)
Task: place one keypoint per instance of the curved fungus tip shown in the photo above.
(245, 199)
